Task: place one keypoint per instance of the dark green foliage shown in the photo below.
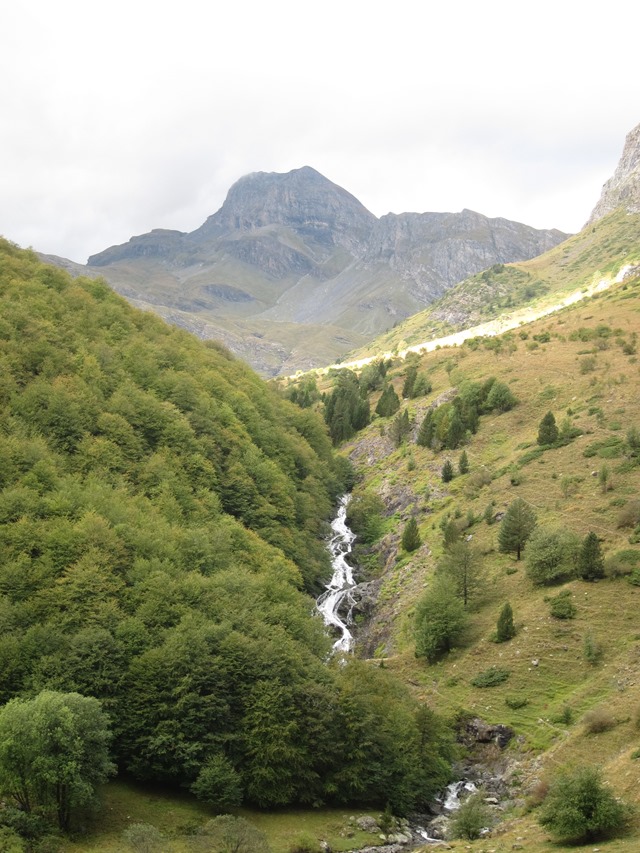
(426, 432)
(505, 628)
(516, 527)
(516, 702)
(400, 428)
(579, 807)
(411, 536)
(389, 402)
(562, 607)
(500, 398)
(421, 386)
(471, 818)
(365, 516)
(218, 783)
(463, 463)
(154, 551)
(372, 375)
(491, 677)
(462, 565)
(551, 555)
(447, 471)
(346, 408)
(439, 621)
(590, 563)
(548, 430)
(455, 432)
(54, 751)
(409, 381)
(303, 393)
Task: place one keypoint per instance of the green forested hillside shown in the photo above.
(161, 522)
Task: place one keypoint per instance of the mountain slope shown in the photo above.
(622, 190)
(560, 675)
(599, 253)
(293, 271)
(162, 514)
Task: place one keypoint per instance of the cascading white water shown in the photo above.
(341, 583)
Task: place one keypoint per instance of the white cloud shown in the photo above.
(123, 117)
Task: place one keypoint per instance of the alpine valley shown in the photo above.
(293, 272)
(165, 512)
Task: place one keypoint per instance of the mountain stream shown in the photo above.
(339, 587)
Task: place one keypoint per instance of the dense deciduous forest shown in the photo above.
(161, 522)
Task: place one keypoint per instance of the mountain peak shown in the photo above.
(623, 189)
(301, 199)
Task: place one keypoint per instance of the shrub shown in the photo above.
(305, 844)
(565, 716)
(143, 838)
(590, 562)
(447, 472)
(547, 430)
(490, 677)
(579, 807)
(562, 607)
(629, 516)
(591, 649)
(515, 702)
(505, 629)
(471, 818)
(411, 536)
(599, 720)
(439, 621)
(551, 555)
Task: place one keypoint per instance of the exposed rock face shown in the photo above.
(293, 271)
(435, 250)
(623, 189)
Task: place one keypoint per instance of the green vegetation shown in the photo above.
(161, 521)
(505, 628)
(411, 540)
(439, 620)
(516, 528)
(471, 818)
(579, 807)
(54, 751)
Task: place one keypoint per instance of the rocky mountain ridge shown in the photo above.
(293, 271)
(623, 188)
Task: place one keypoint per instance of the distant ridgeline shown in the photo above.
(161, 522)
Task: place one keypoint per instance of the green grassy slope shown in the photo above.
(582, 365)
(598, 252)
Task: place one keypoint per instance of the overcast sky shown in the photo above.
(120, 117)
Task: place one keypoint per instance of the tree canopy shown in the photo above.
(162, 513)
(54, 750)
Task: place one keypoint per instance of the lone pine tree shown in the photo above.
(517, 526)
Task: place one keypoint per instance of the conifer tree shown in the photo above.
(411, 536)
(447, 471)
(547, 430)
(517, 526)
(463, 463)
(505, 629)
(426, 431)
(590, 559)
(389, 403)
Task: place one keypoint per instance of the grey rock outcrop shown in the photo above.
(623, 189)
(293, 271)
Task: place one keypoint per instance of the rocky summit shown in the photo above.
(623, 188)
(293, 271)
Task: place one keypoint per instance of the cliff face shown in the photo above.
(623, 189)
(300, 265)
